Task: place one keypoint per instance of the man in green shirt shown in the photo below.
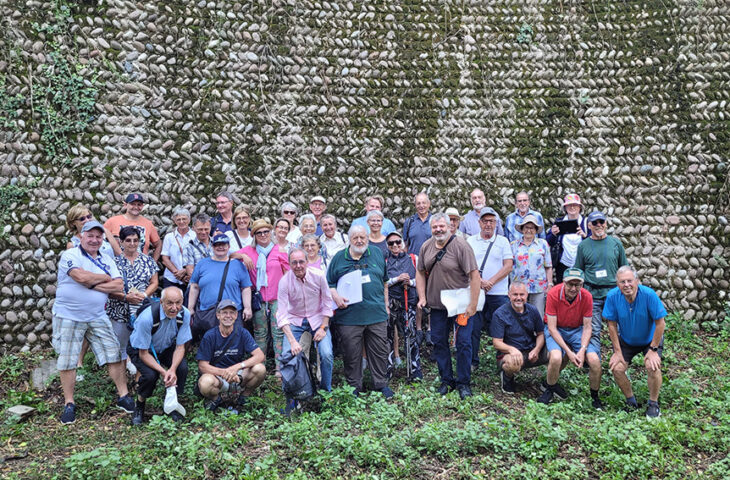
(599, 256)
(362, 324)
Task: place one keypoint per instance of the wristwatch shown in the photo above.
(324, 327)
(654, 349)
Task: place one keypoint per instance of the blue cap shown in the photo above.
(487, 211)
(221, 238)
(134, 197)
(597, 215)
(226, 303)
(91, 224)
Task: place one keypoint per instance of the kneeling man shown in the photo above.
(157, 348)
(635, 316)
(517, 334)
(222, 359)
(569, 310)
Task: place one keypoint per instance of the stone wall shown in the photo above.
(624, 102)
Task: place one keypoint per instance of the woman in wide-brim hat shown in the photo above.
(532, 263)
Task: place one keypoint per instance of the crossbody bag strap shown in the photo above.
(223, 282)
(486, 255)
(238, 240)
(204, 253)
(437, 258)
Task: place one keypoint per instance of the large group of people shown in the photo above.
(235, 289)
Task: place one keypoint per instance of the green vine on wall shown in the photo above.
(10, 107)
(9, 195)
(65, 94)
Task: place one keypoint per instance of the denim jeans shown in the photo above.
(441, 326)
(324, 347)
(482, 320)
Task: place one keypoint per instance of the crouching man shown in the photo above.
(222, 359)
(517, 333)
(157, 348)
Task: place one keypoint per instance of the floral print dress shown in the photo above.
(531, 260)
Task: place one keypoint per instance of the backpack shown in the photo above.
(154, 303)
(296, 376)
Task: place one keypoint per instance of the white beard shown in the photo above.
(358, 250)
(444, 236)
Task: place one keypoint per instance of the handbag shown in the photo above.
(204, 320)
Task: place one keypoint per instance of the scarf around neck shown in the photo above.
(262, 279)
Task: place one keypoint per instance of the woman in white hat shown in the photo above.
(566, 244)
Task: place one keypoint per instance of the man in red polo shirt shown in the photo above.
(568, 313)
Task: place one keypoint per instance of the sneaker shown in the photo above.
(242, 401)
(176, 417)
(596, 403)
(131, 369)
(415, 377)
(387, 393)
(397, 362)
(631, 405)
(69, 414)
(546, 397)
(138, 415)
(213, 405)
(557, 390)
(508, 383)
(443, 389)
(653, 410)
(126, 403)
(464, 391)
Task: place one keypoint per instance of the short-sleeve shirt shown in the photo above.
(450, 273)
(636, 321)
(600, 260)
(173, 246)
(372, 266)
(500, 252)
(517, 329)
(212, 344)
(166, 335)
(416, 232)
(147, 231)
(75, 301)
(238, 242)
(195, 251)
(208, 274)
(570, 315)
(217, 224)
(530, 264)
(137, 274)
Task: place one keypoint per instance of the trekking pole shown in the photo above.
(407, 333)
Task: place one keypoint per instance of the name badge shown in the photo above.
(601, 273)
(366, 278)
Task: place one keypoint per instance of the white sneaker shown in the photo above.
(131, 369)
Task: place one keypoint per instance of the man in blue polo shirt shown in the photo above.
(157, 348)
(635, 316)
(417, 227)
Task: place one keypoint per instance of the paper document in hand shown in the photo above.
(457, 300)
(349, 286)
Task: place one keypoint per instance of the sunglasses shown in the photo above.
(82, 219)
(598, 222)
(289, 212)
(393, 243)
(262, 233)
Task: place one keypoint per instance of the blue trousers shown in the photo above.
(482, 321)
(324, 347)
(441, 326)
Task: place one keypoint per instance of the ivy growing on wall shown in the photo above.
(65, 92)
(9, 195)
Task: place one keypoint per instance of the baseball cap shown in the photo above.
(487, 211)
(573, 274)
(225, 303)
(92, 224)
(452, 212)
(394, 232)
(221, 238)
(318, 198)
(597, 215)
(134, 197)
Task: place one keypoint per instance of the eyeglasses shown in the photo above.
(262, 233)
(297, 262)
(289, 212)
(598, 222)
(82, 219)
(396, 242)
(131, 240)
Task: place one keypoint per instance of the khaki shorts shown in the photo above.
(68, 336)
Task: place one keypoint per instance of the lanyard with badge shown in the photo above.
(96, 261)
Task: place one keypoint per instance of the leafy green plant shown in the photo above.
(526, 34)
(10, 106)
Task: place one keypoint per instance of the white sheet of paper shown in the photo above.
(349, 286)
(457, 300)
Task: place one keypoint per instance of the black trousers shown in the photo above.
(148, 377)
(375, 340)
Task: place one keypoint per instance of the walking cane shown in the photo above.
(407, 334)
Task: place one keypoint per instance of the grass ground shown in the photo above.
(418, 435)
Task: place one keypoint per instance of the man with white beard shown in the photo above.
(470, 224)
(362, 324)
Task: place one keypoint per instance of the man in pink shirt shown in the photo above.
(305, 305)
